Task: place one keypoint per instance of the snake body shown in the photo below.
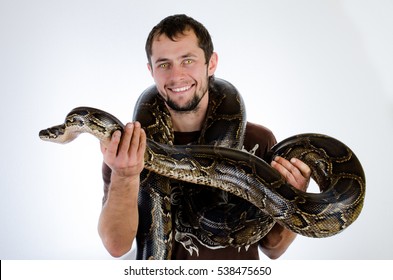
(219, 163)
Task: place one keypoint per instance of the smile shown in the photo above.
(181, 89)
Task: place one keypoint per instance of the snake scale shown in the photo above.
(218, 162)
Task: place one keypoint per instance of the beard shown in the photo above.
(192, 105)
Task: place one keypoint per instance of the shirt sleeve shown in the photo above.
(259, 135)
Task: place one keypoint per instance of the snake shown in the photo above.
(217, 164)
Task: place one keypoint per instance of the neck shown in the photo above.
(192, 120)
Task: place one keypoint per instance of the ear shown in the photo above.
(150, 68)
(211, 68)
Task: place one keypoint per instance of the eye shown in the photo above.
(188, 61)
(163, 65)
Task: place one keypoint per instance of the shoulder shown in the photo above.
(261, 135)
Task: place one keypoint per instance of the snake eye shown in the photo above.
(75, 121)
(52, 133)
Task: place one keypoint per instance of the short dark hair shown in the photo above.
(175, 25)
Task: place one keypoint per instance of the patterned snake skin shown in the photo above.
(175, 174)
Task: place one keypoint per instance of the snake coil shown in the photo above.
(218, 162)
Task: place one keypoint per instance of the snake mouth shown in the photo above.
(43, 134)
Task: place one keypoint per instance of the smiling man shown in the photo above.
(181, 71)
(182, 63)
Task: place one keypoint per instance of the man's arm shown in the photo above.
(297, 173)
(118, 222)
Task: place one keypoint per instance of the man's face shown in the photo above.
(180, 71)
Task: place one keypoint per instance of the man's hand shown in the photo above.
(295, 172)
(124, 154)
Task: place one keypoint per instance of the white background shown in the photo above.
(302, 66)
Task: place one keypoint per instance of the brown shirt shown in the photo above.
(255, 135)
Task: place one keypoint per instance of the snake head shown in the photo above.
(54, 134)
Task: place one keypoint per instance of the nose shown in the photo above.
(177, 73)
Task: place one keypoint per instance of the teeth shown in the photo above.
(181, 89)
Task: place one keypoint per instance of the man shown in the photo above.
(182, 63)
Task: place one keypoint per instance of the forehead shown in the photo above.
(164, 47)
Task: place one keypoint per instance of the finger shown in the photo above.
(111, 149)
(125, 139)
(103, 147)
(282, 166)
(142, 144)
(302, 167)
(295, 172)
(291, 173)
(134, 144)
(287, 165)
